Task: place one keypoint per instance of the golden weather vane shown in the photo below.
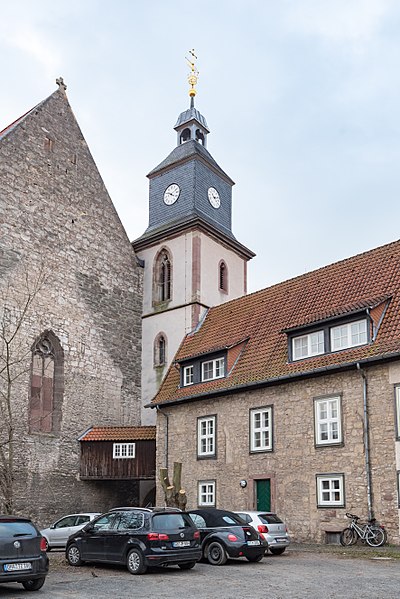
(194, 73)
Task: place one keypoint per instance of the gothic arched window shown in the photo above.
(160, 350)
(223, 277)
(47, 384)
(163, 277)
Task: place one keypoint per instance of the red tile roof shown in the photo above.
(119, 433)
(353, 284)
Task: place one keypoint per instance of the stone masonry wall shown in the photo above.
(57, 218)
(294, 462)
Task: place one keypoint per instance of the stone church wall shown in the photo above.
(57, 221)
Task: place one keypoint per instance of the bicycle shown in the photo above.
(370, 532)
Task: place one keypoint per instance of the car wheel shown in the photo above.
(277, 550)
(216, 554)
(34, 585)
(74, 555)
(187, 565)
(255, 558)
(135, 562)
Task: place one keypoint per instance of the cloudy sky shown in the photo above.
(302, 98)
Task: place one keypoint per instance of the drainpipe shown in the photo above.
(166, 436)
(366, 442)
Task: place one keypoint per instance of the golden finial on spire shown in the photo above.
(193, 75)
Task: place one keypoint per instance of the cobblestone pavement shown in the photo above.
(303, 571)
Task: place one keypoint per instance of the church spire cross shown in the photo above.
(193, 76)
(61, 85)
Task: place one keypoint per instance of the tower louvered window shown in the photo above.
(223, 277)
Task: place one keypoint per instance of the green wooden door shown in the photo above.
(263, 494)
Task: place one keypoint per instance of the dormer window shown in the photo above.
(349, 335)
(331, 336)
(213, 369)
(203, 369)
(305, 346)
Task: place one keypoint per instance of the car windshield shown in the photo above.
(171, 521)
(15, 528)
(270, 519)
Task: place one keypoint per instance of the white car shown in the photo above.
(271, 527)
(57, 534)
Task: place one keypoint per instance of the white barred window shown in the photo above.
(206, 442)
(261, 429)
(206, 492)
(328, 427)
(330, 490)
(123, 450)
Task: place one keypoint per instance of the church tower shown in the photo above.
(192, 260)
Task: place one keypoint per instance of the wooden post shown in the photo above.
(174, 495)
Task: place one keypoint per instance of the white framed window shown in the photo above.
(397, 396)
(206, 493)
(349, 335)
(188, 375)
(330, 490)
(305, 346)
(206, 436)
(261, 429)
(123, 450)
(328, 424)
(213, 369)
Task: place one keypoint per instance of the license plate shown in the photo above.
(181, 544)
(253, 542)
(17, 567)
(280, 539)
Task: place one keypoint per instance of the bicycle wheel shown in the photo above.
(375, 536)
(348, 537)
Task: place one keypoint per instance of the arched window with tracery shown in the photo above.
(160, 350)
(163, 277)
(223, 277)
(47, 384)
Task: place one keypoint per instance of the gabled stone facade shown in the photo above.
(57, 221)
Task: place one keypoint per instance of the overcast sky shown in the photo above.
(302, 98)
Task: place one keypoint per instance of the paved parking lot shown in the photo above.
(299, 573)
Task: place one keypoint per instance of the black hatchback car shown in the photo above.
(23, 555)
(225, 534)
(137, 538)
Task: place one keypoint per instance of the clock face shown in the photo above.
(213, 197)
(171, 194)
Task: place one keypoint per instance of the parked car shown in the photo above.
(22, 553)
(57, 534)
(271, 527)
(224, 534)
(138, 538)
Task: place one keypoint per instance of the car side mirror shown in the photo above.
(52, 527)
(88, 527)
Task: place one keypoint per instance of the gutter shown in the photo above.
(366, 442)
(275, 381)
